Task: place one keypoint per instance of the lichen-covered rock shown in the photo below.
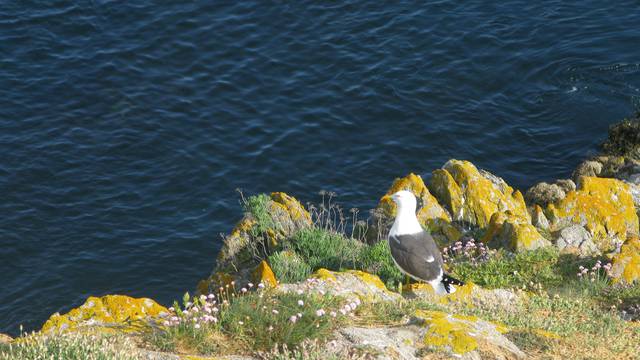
(469, 295)
(387, 342)
(285, 215)
(544, 193)
(462, 335)
(538, 218)
(119, 312)
(5, 339)
(603, 206)
(430, 213)
(576, 238)
(263, 274)
(513, 233)
(626, 264)
(366, 286)
(473, 196)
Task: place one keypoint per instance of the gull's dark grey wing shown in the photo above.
(417, 255)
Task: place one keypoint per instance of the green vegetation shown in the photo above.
(289, 267)
(254, 320)
(258, 206)
(69, 347)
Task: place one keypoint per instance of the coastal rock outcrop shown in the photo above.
(265, 223)
(603, 206)
(469, 295)
(472, 196)
(626, 264)
(513, 233)
(109, 312)
(5, 339)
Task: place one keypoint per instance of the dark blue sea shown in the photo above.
(127, 126)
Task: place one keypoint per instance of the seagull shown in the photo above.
(413, 250)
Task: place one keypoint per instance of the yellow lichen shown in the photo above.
(369, 279)
(263, 274)
(463, 295)
(290, 205)
(626, 264)
(324, 274)
(513, 232)
(428, 214)
(115, 311)
(471, 196)
(444, 331)
(603, 206)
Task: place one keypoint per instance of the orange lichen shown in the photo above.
(290, 205)
(264, 274)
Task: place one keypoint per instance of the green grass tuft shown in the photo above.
(289, 267)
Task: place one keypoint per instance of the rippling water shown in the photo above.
(125, 127)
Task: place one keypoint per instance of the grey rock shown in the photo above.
(539, 220)
(578, 238)
(587, 168)
(544, 193)
(387, 342)
(566, 184)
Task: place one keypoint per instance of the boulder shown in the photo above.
(263, 274)
(544, 193)
(576, 238)
(472, 196)
(109, 312)
(603, 206)
(365, 286)
(626, 264)
(513, 233)
(5, 339)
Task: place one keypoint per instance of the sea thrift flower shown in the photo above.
(275, 311)
(299, 292)
(300, 303)
(197, 326)
(320, 312)
(333, 314)
(211, 296)
(250, 285)
(244, 290)
(293, 319)
(261, 286)
(299, 315)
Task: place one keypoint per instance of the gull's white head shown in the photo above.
(405, 200)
